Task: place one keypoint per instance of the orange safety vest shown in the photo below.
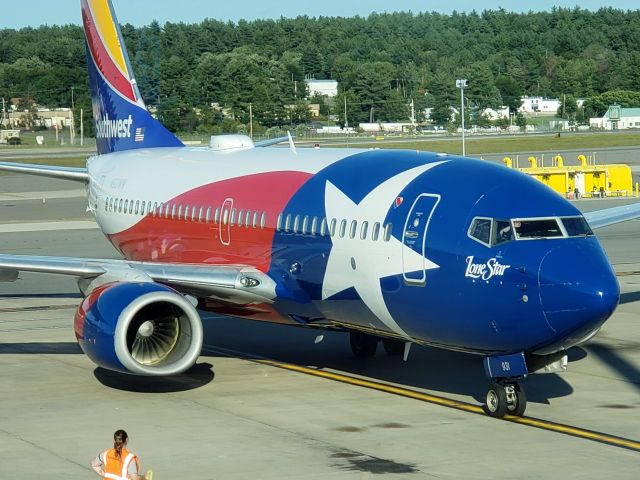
(116, 468)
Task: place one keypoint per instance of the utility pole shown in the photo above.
(81, 128)
(251, 121)
(346, 122)
(4, 113)
(462, 84)
(73, 126)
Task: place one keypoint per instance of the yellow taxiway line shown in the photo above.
(458, 405)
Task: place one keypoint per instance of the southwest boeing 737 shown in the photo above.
(389, 246)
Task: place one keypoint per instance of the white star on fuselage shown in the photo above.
(373, 260)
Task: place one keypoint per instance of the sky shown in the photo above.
(18, 14)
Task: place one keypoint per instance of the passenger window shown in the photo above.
(106, 204)
(503, 232)
(247, 220)
(111, 204)
(481, 230)
(254, 223)
(120, 206)
(186, 212)
(363, 231)
(387, 232)
(216, 217)
(305, 225)
(173, 211)
(263, 220)
(296, 224)
(225, 216)
(201, 214)
(130, 207)
(353, 229)
(232, 219)
(143, 207)
(137, 206)
(279, 222)
(332, 227)
(343, 228)
(180, 212)
(287, 223)
(323, 227)
(208, 215)
(194, 211)
(375, 232)
(167, 208)
(126, 206)
(240, 217)
(314, 226)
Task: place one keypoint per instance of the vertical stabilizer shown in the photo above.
(122, 121)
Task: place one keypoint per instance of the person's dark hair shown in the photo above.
(119, 440)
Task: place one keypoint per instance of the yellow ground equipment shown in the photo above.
(583, 180)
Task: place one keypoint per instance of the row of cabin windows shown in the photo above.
(306, 225)
(193, 213)
(251, 219)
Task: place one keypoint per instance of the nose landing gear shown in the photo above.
(504, 397)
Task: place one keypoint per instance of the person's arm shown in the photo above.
(134, 465)
(97, 466)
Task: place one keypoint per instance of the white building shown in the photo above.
(493, 115)
(617, 118)
(322, 87)
(539, 105)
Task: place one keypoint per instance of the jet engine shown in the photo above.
(141, 328)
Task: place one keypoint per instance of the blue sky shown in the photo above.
(140, 12)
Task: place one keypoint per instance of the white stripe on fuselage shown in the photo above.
(161, 174)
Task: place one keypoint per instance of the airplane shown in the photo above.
(393, 247)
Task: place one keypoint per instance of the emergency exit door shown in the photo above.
(415, 237)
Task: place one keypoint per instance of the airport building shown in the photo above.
(617, 118)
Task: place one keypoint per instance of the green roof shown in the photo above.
(626, 112)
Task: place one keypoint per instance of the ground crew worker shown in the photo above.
(118, 463)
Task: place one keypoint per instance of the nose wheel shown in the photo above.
(505, 397)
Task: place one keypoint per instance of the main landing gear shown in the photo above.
(505, 396)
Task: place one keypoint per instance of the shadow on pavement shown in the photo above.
(198, 376)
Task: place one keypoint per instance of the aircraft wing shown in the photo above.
(271, 141)
(609, 216)
(65, 173)
(233, 284)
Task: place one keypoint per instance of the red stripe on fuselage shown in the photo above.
(186, 241)
(102, 58)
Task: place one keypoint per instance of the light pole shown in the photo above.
(462, 84)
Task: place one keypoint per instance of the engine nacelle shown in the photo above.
(141, 328)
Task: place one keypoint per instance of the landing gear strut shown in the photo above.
(363, 345)
(505, 396)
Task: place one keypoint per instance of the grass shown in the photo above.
(517, 144)
(57, 161)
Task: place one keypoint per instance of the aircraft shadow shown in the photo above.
(197, 376)
(427, 368)
(629, 297)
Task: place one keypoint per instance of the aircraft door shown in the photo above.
(414, 236)
(225, 222)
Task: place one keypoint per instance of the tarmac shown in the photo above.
(238, 415)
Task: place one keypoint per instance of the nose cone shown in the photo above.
(578, 289)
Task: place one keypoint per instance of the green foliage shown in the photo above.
(381, 61)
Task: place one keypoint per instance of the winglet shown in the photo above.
(292, 145)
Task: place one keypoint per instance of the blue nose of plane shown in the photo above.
(578, 290)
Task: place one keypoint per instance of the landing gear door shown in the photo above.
(225, 222)
(414, 237)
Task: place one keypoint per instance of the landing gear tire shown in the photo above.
(363, 345)
(519, 404)
(393, 347)
(505, 398)
(496, 404)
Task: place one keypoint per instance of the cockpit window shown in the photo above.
(576, 227)
(481, 230)
(539, 228)
(503, 232)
